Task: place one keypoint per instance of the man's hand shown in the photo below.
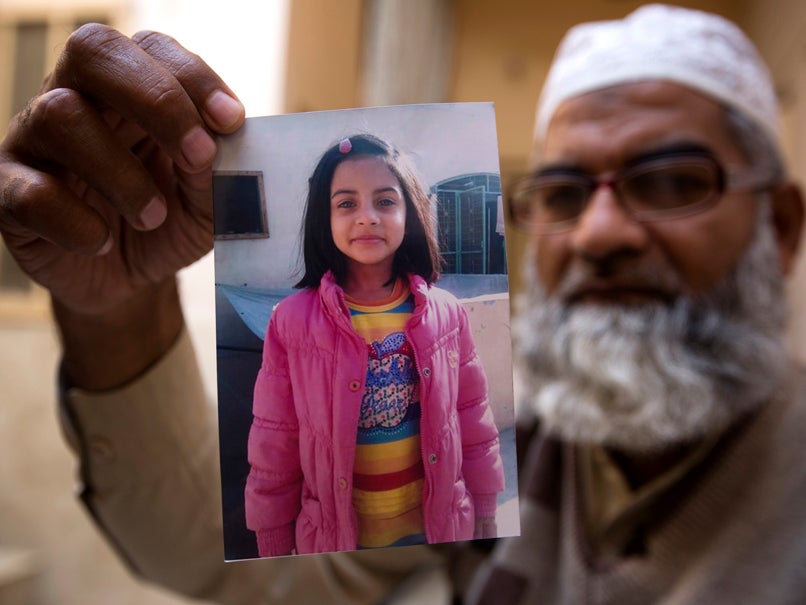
(106, 174)
(105, 181)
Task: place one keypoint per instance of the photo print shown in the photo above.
(362, 322)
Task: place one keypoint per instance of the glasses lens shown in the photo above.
(671, 185)
(543, 202)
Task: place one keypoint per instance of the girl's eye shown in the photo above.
(345, 204)
(386, 202)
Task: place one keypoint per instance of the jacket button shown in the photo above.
(355, 385)
(426, 372)
(342, 483)
(432, 458)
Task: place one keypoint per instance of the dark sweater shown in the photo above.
(732, 531)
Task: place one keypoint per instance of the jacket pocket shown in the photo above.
(309, 530)
(463, 511)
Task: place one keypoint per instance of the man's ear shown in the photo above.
(787, 219)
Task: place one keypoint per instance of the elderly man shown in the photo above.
(650, 337)
(662, 462)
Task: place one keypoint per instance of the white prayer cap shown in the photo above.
(702, 51)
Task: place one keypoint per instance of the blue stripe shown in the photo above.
(404, 541)
(408, 427)
(407, 306)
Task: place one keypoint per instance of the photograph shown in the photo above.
(363, 343)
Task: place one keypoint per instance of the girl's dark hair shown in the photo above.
(418, 253)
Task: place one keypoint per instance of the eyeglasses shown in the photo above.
(669, 186)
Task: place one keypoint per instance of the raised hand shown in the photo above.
(105, 193)
(105, 176)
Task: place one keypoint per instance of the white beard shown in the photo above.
(641, 379)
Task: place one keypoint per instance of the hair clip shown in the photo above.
(345, 145)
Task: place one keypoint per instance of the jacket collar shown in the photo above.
(332, 294)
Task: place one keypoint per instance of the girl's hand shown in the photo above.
(485, 528)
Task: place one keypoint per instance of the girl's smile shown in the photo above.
(367, 215)
(368, 239)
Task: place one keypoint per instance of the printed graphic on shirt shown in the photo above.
(392, 383)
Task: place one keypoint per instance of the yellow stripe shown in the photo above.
(374, 533)
(389, 503)
(393, 322)
(379, 458)
(387, 318)
(389, 323)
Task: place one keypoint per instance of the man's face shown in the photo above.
(638, 334)
(603, 131)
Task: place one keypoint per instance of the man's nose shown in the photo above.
(606, 228)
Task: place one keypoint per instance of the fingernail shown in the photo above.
(106, 247)
(224, 109)
(198, 147)
(153, 214)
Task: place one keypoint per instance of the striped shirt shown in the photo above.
(388, 473)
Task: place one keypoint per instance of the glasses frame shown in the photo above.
(727, 179)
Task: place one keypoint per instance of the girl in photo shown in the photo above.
(371, 419)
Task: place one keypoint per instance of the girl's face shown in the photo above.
(367, 213)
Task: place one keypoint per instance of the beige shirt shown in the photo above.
(149, 472)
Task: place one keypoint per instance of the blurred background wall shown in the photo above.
(285, 56)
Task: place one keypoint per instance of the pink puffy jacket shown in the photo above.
(307, 399)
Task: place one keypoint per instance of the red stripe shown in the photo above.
(386, 481)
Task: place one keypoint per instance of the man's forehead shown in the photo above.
(617, 123)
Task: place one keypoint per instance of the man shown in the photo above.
(650, 339)
(663, 464)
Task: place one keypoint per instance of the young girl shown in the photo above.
(371, 421)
